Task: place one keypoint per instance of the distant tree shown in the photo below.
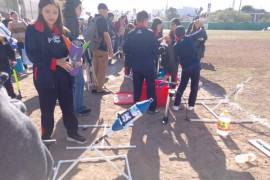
(265, 18)
(229, 15)
(171, 13)
(247, 9)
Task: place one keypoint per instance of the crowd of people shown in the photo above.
(45, 43)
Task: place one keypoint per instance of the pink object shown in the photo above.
(123, 98)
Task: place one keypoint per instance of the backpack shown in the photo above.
(91, 34)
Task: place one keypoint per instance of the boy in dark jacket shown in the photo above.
(7, 57)
(141, 49)
(186, 52)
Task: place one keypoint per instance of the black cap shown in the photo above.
(180, 31)
(102, 6)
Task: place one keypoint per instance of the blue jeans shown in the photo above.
(78, 90)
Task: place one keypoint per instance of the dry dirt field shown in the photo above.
(181, 150)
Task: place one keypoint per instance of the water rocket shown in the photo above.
(127, 118)
(76, 52)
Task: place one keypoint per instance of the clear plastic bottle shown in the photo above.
(223, 124)
(243, 158)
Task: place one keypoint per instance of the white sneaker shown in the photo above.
(176, 108)
(190, 108)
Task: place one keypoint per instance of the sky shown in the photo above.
(90, 5)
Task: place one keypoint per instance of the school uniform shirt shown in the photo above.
(43, 47)
(186, 52)
(141, 48)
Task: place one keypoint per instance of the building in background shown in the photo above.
(26, 8)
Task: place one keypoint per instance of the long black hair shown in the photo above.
(69, 8)
(155, 24)
(59, 21)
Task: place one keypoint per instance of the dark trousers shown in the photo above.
(47, 98)
(195, 78)
(8, 84)
(138, 78)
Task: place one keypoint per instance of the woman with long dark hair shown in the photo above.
(71, 12)
(46, 49)
(157, 28)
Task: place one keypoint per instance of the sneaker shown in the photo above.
(176, 108)
(76, 138)
(190, 108)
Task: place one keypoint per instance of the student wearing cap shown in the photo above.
(104, 51)
(186, 54)
(141, 48)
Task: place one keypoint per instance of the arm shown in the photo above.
(196, 35)
(32, 47)
(177, 53)
(108, 42)
(190, 26)
(10, 52)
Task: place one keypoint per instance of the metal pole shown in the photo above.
(240, 6)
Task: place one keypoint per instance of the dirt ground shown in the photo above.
(181, 149)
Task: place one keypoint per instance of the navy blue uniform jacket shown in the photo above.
(186, 52)
(141, 49)
(43, 47)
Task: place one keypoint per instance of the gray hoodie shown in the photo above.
(23, 156)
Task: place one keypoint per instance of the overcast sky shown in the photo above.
(90, 5)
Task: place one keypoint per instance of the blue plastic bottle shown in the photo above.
(125, 119)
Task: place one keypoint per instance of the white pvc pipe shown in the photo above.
(93, 126)
(49, 141)
(103, 147)
(104, 133)
(128, 168)
(56, 170)
(210, 110)
(84, 160)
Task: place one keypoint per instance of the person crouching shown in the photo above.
(186, 52)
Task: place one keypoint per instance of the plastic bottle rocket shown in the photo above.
(75, 53)
(125, 119)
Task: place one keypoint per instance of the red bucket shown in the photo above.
(162, 90)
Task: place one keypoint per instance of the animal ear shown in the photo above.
(3, 78)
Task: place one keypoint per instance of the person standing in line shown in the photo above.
(48, 52)
(71, 12)
(111, 30)
(141, 49)
(104, 51)
(172, 64)
(17, 28)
